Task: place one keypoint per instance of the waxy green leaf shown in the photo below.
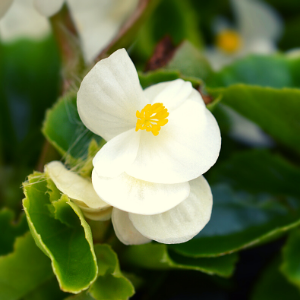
(252, 204)
(158, 257)
(111, 284)
(61, 231)
(23, 270)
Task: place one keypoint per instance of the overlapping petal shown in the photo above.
(110, 95)
(74, 186)
(137, 196)
(124, 229)
(48, 7)
(184, 149)
(116, 155)
(182, 222)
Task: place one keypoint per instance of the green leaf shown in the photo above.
(23, 270)
(275, 71)
(111, 284)
(253, 202)
(189, 61)
(275, 111)
(10, 230)
(157, 257)
(290, 254)
(272, 285)
(65, 131)
(61, 231)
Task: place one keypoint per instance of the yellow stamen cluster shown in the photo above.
(151, 118)
(229, 41)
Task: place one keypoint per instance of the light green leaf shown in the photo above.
(63, 235)
(290, 254)
(157, 257)
(23, 270)
(254, 201)
(65, 131)
(10, 230)
(111, 284)
(272, 285)
(275, 111)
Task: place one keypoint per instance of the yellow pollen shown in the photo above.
(152, 118)
(229, 41)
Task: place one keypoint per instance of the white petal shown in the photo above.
(48, 7)
(109, 96)
(186, 147)
(172, 93)
(256, 19)
(74, 186)
(4, 6)
(124, 229)
(98, 21)
(23, 21)
(137, 196)
(117, 154)
(182, 222)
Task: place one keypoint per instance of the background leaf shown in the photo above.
(251, 204)
(23, 270)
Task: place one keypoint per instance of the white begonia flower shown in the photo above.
(79, 190)
(23, 21)
(258, 28)
(160, 141)
(97, 21)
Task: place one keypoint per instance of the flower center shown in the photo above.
(151, 118)
(228, 41)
